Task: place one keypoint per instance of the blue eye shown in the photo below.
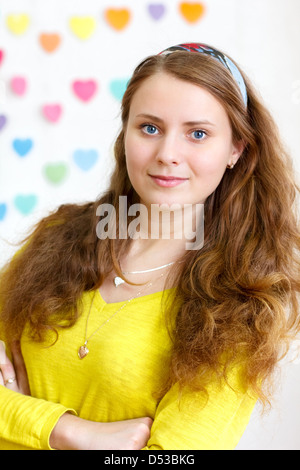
(198, 135)
(149, 129)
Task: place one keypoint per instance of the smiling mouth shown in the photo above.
(167, 181)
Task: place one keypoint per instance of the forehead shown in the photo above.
(164, 93)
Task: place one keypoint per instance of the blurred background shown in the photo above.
(64, 65)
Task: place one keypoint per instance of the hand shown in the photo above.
(73, 433)
(13, 375)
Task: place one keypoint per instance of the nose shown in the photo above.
(168, 151)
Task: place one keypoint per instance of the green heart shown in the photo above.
(56, 172)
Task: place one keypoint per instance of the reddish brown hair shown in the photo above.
(238, 294)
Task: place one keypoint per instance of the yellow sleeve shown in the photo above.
(193, 423)
(27, 422)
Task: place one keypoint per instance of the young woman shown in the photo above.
(143, 341)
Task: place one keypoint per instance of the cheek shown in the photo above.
(212, 161)
(136, 161)
(134, 152)
(210, 166)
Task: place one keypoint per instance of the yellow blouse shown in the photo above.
(116, 381)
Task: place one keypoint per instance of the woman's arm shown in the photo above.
(71, 432)
(200, 422)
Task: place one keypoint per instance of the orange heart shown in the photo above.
(192, 12)
(118, 18)
(49, 42)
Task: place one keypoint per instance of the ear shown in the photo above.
(237, 150)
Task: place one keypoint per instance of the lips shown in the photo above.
(168, 178)
(168, 181)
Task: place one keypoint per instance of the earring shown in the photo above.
(230, 166)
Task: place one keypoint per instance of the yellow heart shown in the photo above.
(118, 18)
(192, 12)
(83, 27)
(17, 23)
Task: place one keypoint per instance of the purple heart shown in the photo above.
(156, 10)
(2, 121)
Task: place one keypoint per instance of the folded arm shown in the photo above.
(27, 422)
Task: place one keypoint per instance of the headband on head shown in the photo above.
(208, 50)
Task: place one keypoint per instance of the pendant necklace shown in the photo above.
(118, 280)
(83, 350)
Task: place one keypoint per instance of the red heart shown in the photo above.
(1, 55)
(84, 90)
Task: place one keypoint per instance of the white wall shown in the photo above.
(262, 35)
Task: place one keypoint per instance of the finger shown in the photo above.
(20, 368)
(9, 376)
(7, 370)
(148, 421)
(2, 359)
(3, 356)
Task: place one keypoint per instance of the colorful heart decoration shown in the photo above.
(56, 173)
(83, 27)
(85, 159)
(25, 203)
(17, 24)
(84, 89)
(52, 112)
(3, 210)
(117, 18)
(117, 87)
(49, 42)
(18, 85)
(1, 56)
(191, 12)
(22, 146)
(3, 121)
(156, 10)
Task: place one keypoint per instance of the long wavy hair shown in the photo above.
(238, 295)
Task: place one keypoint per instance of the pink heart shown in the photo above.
(1, 55)
(52, 112)
(84, 90)
(18, 85)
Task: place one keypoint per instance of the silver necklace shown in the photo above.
(83, 350)
(118, 280)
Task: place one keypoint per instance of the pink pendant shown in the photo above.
(82, 352)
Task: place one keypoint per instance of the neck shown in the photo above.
(168, 223)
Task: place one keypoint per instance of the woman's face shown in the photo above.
(178, 142)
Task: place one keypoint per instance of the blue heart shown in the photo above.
(3, 209)
(22, 147)
(25, 203)
(85, 159)
(118, 87)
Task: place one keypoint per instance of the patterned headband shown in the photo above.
(204, 49)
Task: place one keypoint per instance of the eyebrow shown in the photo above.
(188, 123)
